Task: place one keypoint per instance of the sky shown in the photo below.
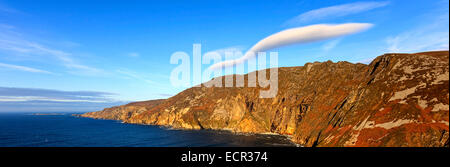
(85, 55)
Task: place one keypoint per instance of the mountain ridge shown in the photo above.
(396, 100)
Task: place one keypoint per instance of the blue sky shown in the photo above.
(123, 48)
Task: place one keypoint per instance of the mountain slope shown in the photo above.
(397, 100)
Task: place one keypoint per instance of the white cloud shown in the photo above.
(336, 11)
(298, 35)
(23, 68)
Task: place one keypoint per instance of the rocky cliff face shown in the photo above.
(123, 112)
(397, 100)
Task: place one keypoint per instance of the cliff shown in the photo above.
(123, 112)
(396, 100)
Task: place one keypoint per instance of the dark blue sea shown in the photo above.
(65, 130)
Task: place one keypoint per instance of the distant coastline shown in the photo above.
(47, 114)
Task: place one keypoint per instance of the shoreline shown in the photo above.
(167, 127)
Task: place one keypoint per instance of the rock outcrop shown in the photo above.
(396, 100)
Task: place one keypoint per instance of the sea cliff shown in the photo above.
(396, 100)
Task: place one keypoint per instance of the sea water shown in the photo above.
(65, 130)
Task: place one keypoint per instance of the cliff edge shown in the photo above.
(396, 100)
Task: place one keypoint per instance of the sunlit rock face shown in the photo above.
(397, 100)
(123, 112)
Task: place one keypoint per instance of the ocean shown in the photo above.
(65, 130)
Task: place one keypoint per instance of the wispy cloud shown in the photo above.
(298, 35)
(331, 45)
(8, 94)
(16, 44)
(23, 68)
(150, 79)
(336, 11)
(135, 76)
(431, 35)
(48, 100)
(40, 98)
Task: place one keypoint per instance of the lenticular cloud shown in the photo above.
(298, 35)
